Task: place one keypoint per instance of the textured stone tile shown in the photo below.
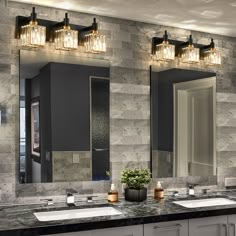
(130, 157)
(5, 147)
(129, 88)
(71, 166)
(136, 115)
(226, 139)
(116, 123)
(109, 26)
(123, 54)
(226, 97)
(4, 68)
(132, 140)
(142, 148)
(226, 114)
(121, 36)
(140, 38)
(130, 106)
(121, 148)
(6, 159)
(129, 75)
(226, 159)
(6, 168)
(141, 123)
(138, 131)
(137, 47)
(114, 44)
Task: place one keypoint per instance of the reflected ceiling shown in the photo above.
(213, 16)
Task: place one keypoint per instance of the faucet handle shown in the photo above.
(191, 185)
(175, 193)
(70, 191)
(90, 198)
(48, 201)
(205, 190)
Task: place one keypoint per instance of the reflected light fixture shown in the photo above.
(32, 34)
(211, 55)
(190, 54)
(94, 42)
(66, 38)
(165, 51)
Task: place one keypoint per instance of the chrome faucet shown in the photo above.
(205, 191)
(191, 190)
(70, 198)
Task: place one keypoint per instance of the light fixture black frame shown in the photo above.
(51, 26)
(206, 48)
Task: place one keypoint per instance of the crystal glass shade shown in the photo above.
(33, 35)
(66, 39)
(95, 42)
(165, 52)
(190, 54)
(212, 57)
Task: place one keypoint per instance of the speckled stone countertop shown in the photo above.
(20, 220)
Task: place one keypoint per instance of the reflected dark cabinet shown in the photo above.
(100, 113)
(74, 115)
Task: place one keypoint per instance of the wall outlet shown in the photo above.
(76, 158)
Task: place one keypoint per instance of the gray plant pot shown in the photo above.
(135, 195)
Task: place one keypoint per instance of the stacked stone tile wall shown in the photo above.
(129, 46)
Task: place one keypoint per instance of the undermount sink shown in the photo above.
(205, 202)
(76, 213)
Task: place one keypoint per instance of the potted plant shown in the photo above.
(135, 180)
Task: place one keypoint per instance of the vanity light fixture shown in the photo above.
(32, 34)
(211, 55)
(164, 51)
(189, 53)
(94, 42)
(66, 38)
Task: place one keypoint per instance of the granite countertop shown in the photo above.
(20, 220)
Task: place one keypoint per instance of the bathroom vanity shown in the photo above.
(148, 218)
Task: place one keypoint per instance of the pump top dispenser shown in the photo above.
(159, 191)
(112, 195)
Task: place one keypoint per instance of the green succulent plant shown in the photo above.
(136, 178)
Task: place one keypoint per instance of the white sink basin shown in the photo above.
(76, 213)
(205, 202)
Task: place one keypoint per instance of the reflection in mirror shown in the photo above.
(64, 118)
(183, 123)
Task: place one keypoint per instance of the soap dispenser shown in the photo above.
(158, 191)
(112, 195)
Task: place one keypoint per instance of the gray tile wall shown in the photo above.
(129, 45)
(71, 166)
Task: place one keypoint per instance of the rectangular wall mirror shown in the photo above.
(64, 118)
(183, 107)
